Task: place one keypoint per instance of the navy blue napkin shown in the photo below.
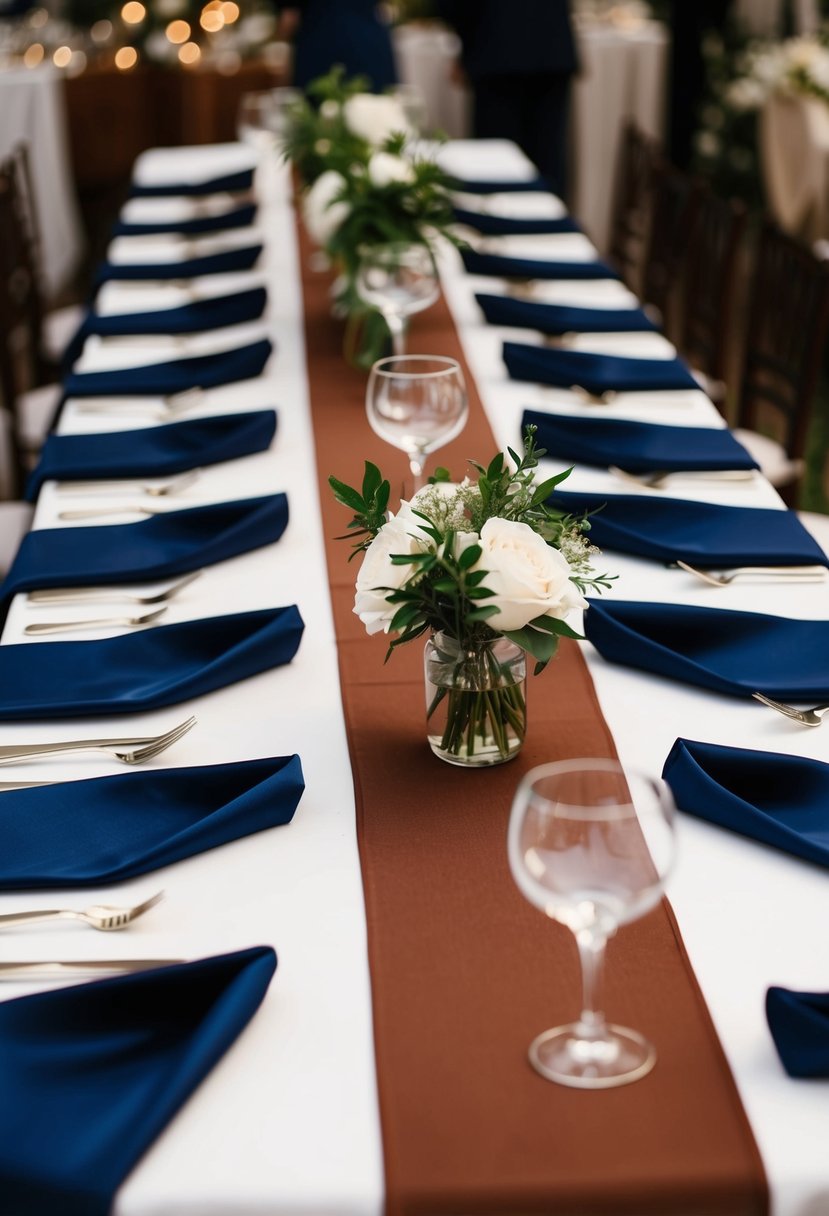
(780, 800)
(494, 185)
(147, 670)
(730, 652)
(210, 263)
(799, 1025)
(239, 217)
(504, 225)
(195, 317)
(87, 833)
(105, 1067)
(231, 183)
(639, 447)
(177, 376)
(154, 451)
(700, 533)
(503, 266)
(562, 318)
(596, 373)
(154, 548)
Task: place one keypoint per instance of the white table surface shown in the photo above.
(287, 1123)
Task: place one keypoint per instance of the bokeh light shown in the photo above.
(126, 57)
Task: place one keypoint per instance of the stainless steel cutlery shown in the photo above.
(806, 717)
(111, 622)
(130, 749)
(795, 574)
(80, 595)
(103, 917)
(155, 489)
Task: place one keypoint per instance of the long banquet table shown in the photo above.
(288, 1121)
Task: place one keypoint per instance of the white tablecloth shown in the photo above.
(33, 109)
(287, 1122)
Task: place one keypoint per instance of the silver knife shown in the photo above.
(91, 967)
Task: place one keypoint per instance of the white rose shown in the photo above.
(374, 117)
(323, 216)
(377, 571)
(528, 577)
(383, 169)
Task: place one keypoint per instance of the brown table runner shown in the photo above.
(465, 973)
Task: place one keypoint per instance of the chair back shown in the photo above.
(675, 197)
(631, 200)
(711, 267)
(787, 325)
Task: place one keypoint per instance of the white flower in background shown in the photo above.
(528, 577)
(708, 144)
(374, 117)
(257, 28)
(384, 169)
(159, 48)
(329, 109)
(169, 8)
(745, 94)
(323, 216)
(377, 571)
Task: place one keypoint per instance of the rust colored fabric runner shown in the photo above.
(465, 973)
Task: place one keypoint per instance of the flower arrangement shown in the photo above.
(366, 184)
(472, 564)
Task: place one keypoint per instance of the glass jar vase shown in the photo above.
(476, 707)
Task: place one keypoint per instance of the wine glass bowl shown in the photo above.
(416, 403)
(590, 845)
(399, 280)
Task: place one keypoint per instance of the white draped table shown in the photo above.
(287, 1123)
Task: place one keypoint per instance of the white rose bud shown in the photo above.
(323, 216)
(528, 577)
(383, 169)
(374, 117)
(377, 571)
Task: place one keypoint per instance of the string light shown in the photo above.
(133, 12)
(189, 53)
(229, 11)
(101, 31)
(62, 56)
(178, 31)
(33, 55)
(211, 20)
(126, 57)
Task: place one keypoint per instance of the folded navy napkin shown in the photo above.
(494, 185)
(730, 652)
(86, 833)
(209, 263)
(105, 1067)
(504, 266)
(193, 318)
(230, 183)
(154, 548)
(700, 533)
(153, 451)
(640, 447)
(505, 225)
(595, 373)
(799, 1025)
(147, 670)
(177, 376)
(780, 800)
(239, 217)
(562, 318)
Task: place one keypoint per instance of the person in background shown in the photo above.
(329, 32)
(519, 57)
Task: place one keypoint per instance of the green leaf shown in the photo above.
(445, 586)
(542, 646)
(476, 577)
(404, 616)
(469, 557)
(495, 466)
(440, 474)
(347, 495)
(482, 614)
(549, 624)
(479, 593)
(372, 479)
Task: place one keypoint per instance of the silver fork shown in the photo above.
(157, 489)
(166, 408)
(129, 750)
(75, 595)
(111, 622)
(806, 717)
(99, 512)
(657, 479)
(797, 574)
(100, 916)
(75, 968)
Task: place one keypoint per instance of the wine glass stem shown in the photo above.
(397, 328)
(591, 953)
(417, 463)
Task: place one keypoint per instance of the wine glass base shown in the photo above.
(565, 1055)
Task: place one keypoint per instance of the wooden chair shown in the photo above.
(631, 201)
(787, 325)
(710, 278)
(675, 197)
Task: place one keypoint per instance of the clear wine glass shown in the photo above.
(255, 121)
(416, 403)
(590, 845)
(399, 280)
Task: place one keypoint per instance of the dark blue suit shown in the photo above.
(347, 32)
(519, 56)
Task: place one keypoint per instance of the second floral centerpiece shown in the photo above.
(489, 571)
